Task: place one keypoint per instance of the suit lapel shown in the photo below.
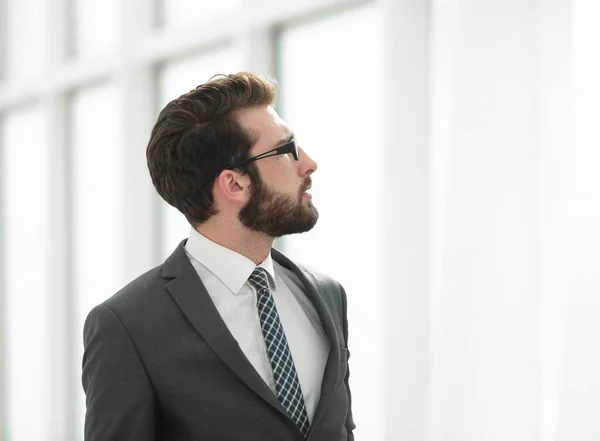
(187, 290)
(316, 292)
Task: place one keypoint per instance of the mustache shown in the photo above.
(307, 184)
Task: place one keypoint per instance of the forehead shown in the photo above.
(265, 124)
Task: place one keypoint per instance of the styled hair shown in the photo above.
(197, 133)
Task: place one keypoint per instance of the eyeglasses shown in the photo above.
(288, 147)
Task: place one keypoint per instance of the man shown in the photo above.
(228, 339)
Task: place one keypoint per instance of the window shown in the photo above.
(25, 208)
(69, 169)
(186, 12)
(97, 26)
(25, 30)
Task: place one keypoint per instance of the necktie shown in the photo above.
(287, 385)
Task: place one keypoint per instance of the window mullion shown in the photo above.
(59, 371)
(136, 85)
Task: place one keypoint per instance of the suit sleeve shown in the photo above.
(350, 426)
(119, 397)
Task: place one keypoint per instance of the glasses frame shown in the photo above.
(288, 147)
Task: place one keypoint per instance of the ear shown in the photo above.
(232, 186)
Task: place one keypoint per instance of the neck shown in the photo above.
(254, 245)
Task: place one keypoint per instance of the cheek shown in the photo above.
(283, 177)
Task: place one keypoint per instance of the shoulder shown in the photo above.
(316, 275)
(137, 294)
(145, 285)
(321, 278)
(332, 293)
(328, 287)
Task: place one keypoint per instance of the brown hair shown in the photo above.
(196, 134)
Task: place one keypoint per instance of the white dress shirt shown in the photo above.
(225, 275)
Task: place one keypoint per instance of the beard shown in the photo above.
(277, 214)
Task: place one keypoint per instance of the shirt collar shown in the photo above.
(229, 267)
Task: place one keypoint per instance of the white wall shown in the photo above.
(486, 356)
(577, 276)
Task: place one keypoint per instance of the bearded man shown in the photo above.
(228, 339)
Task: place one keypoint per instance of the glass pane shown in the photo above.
(25, 210)
(25, 37)
(97, 26)
(97, 166)
(337, 118)
(174, 79)
(185, 12)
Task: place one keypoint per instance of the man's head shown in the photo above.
(221, 124)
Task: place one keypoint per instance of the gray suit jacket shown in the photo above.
(161, 365)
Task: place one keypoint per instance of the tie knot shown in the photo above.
(258, 279)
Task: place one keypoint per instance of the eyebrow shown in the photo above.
(285, 139)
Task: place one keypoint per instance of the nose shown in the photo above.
(307, 165)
